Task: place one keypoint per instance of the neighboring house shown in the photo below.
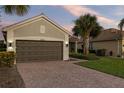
(73, 40)
(75, 44)
(37, 39)
(108, 40)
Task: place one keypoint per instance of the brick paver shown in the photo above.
(65, 75)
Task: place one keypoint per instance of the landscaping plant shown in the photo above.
(86, 26)
(85, 57)
(7, 58)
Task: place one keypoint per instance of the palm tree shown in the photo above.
(86, 26)
(19, 10)
(121, 25)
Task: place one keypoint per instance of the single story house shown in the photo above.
(109, 40)
(37, 39)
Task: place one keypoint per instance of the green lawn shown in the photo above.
(113, 66)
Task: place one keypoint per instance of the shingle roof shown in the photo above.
(73, 38)
(108, 35)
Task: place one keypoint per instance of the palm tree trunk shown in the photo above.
(120, 42)
(86, 46)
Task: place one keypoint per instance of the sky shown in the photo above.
(108, 15)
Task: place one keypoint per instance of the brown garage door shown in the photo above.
(33, 51)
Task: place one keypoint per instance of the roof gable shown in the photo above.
(107, 35)
(33, 19)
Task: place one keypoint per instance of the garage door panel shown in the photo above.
(38, 48)
(29, 51)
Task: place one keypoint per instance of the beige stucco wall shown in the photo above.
(123, 45)
(108, 45)
(31, 31)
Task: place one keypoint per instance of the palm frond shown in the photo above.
(87, 25)
(19, 10)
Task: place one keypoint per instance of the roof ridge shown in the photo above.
(111, 29)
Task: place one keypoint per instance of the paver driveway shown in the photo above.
(64, 74)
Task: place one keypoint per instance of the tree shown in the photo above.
(86, 26)
(19, 10)
(121, 25)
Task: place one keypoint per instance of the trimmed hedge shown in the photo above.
(92, 51)
(101, 52)
(2, 49)
(81, 56)
(80, 50)
(7, 58)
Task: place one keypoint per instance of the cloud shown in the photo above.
(3, 24)
(120, 14)
(119, 11)
(68, 27)
(105, 20)
(78, 10)
(6, 23)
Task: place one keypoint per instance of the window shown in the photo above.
(42, 29)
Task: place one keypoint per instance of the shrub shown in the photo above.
(81, 56)
(80, 50)
(7, 58)
(101, 52)
(118, 55)
(92, 51)
(2, 47)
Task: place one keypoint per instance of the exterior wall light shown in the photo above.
(66, 43)
(10, 48)
(10, 44)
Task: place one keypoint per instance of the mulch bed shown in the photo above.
(10, 78)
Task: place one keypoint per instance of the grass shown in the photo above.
(113, 66)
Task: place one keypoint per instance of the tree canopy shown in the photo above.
(87, 24)
(19, 10)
